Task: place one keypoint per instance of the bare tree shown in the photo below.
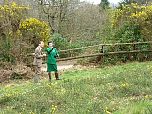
(55, 11)
(83, 22)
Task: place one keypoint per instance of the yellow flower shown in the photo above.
(125, 85)
(106, 111)
(14, 4)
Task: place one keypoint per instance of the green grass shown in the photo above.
(123, 89)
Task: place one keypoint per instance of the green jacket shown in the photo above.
(52, 54)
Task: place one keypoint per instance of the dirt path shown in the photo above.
(63, 65)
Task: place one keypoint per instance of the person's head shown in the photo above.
(41, 44)
(50, 44)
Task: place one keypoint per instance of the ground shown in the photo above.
(121, 89)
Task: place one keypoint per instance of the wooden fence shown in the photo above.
(102, 50)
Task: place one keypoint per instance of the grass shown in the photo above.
(123, 89)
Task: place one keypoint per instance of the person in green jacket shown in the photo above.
(51, 61)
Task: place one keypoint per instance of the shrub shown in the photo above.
(34, 30)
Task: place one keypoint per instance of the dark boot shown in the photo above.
(57, 76)
(49, 76)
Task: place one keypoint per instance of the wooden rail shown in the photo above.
(103, 52)
(102, 45)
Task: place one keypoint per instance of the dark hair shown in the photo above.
(41, 41)
(38, 42)
(49, 42)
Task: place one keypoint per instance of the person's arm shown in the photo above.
(46, 50)
(38, 54)
(57, 53)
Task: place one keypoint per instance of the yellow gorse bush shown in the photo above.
(132, 12)
(35, 27)
(12, 10)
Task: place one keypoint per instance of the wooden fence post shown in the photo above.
(100, 57)
(134, 55)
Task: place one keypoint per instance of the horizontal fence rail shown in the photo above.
(102, 54)
(102, 51)
(101, 45)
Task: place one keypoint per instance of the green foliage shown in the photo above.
(5, 54)
(104, 4)
(62, 43)
(130, 23)
(129, 33)
(59, 41)
(116, 90)
(127, 2)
